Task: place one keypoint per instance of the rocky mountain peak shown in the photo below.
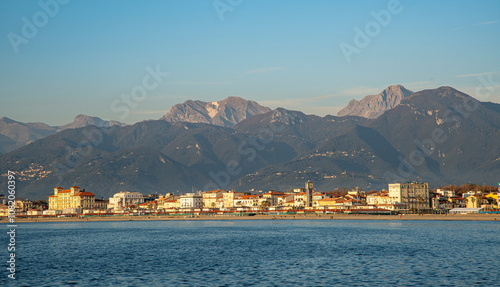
(373, 106)
(226, 113)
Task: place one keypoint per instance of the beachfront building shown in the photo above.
(271, 197)
(23, 205)
(415, 195)
(71, 198)
(376, 198)
(172, 203)
(191, 200)
(251, 200)
(101, 204)
(213, 198)
(228, 198)
(316, 197)
(125, 198)
(301, 199)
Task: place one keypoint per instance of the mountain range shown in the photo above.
(14, 134)
(441, 136)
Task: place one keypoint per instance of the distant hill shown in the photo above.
(14, 134)
(81, 121)
(224, 113)
(375, 105)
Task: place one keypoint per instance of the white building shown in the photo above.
(124, 198)
(415, 195)
(228, 198)
(191, 200)
(445, 193)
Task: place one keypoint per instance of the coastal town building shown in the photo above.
(228, 198)
(23, 205)
(271, 198)
(71, 198)
(213, 198)
(247, 200)
(123, 199)
(445, 193)
(380, 197)
(172, 202)
(101, 204)
(191, 200)
(415, 195)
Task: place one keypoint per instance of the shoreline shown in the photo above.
(432, 217)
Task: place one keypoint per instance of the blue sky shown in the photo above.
(84, 56)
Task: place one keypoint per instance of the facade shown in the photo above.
(125, 198)
(71, 198)
(301, 199)
(415, 195)
(191, 200)
(271, 197)
(211, 198)
(23, 205)
(228, 198)
(148, 205)
(377, 198)
(445, 193)
(247, 200)
(101, 204)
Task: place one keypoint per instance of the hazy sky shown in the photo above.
(61, 60)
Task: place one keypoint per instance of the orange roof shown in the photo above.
(171, 200)
(52, 196)
(58, 187)
(84, 193)
(148, 203)
(217, 190)
(249, 196)
(75, 186)
(65, 191)
(301, 193)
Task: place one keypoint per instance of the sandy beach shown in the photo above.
(449, 217)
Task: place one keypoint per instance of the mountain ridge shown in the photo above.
(372, 106)
(21, 134)
(226, 113)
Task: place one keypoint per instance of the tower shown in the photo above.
(309, 191)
